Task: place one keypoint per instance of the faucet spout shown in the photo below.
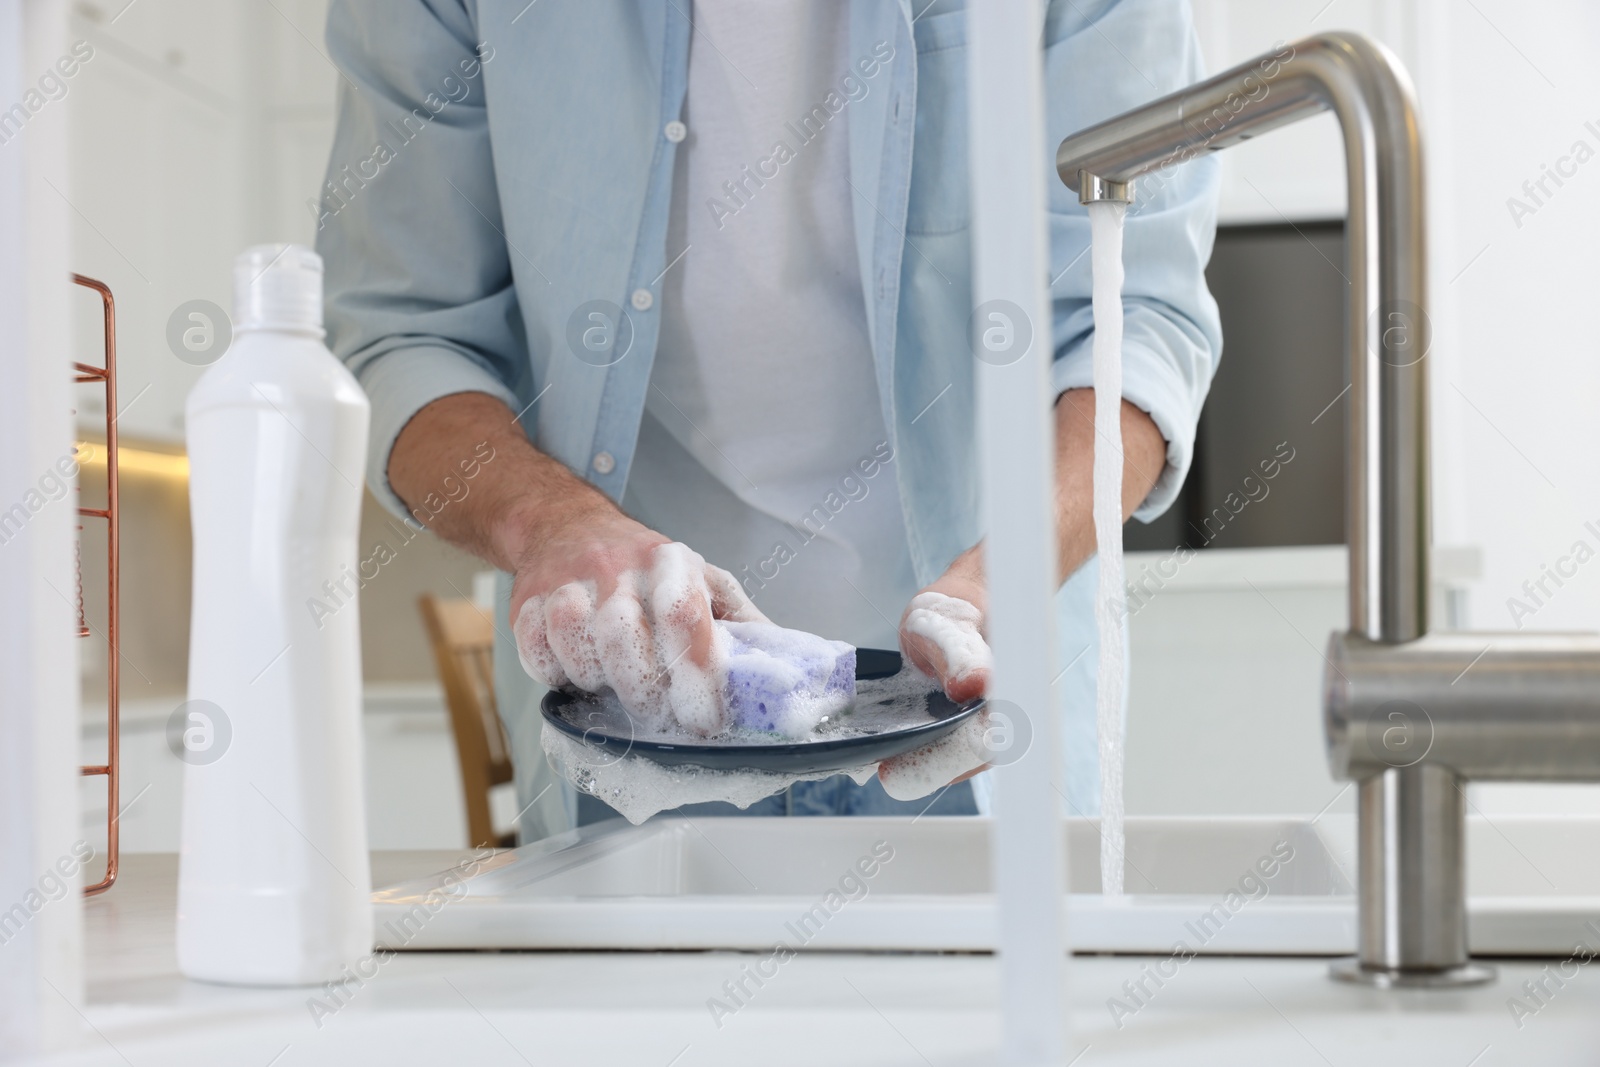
(1411, 885)
(1387, 333)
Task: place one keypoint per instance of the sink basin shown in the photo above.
(1249, 884)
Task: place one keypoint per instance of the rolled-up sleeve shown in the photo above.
(419, 290)
(1103, 59)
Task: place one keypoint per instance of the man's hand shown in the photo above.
(942, 631)
(608, 602)
(937, 635)
(597, 599)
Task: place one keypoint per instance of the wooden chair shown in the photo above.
(462, 636)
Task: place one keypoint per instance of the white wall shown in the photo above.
(1517, 384)
(1518, 398)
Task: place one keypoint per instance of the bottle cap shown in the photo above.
(277, 287)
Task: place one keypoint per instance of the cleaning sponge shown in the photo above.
(785, 681)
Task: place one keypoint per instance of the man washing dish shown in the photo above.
(700, 276)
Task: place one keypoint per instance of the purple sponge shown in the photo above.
(785, 681)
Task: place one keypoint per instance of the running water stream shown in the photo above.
(1105, 234)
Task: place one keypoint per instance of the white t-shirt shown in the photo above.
(763, 444)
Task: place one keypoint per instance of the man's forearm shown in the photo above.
(1144, 453)
(523, 496)
(517, 500)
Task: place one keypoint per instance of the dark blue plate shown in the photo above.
(883, 721)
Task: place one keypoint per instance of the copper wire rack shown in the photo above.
(106, 374)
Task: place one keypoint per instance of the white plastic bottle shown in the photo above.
(274, 884)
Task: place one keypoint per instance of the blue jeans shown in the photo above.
(831, 796)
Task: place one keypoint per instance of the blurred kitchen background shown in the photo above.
(202, 126)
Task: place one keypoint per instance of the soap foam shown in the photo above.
(952, 624)
(648, 644)
(1105, 233)
(934, 766)
(638, 788)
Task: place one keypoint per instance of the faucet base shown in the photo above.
(1349, 969)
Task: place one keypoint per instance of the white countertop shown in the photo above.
(838, 1009)
(1289, 567)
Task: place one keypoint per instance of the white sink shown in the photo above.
(751, 883)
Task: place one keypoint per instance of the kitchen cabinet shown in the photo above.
(413, 779)
(198, 128)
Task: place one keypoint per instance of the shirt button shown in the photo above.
(604, 463)
(642, 299)
(676, 131)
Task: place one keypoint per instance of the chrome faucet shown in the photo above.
(1410, 716)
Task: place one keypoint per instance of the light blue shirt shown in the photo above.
(501, 169)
